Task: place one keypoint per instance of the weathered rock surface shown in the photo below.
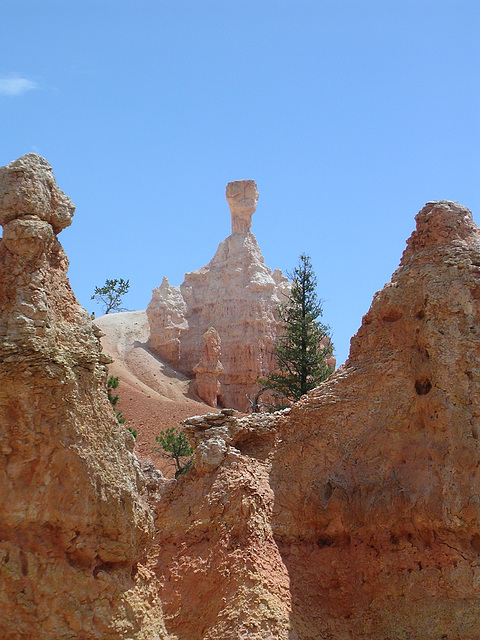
(236, 294)
(216, 558)
(355, 514)
(73, 524)
(378, 520)
(209, 368)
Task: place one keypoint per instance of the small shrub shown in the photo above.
(112, 383)
(174, 445)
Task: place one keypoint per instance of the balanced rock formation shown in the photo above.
(74, 525)
(236, 294)
(356, 513)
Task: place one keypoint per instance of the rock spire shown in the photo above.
(357, 509)
(236, 294)
(209, 368)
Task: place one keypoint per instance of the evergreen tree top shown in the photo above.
(304, 344)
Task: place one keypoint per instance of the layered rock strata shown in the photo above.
(236, 294)
(74, 526)
(356, 513)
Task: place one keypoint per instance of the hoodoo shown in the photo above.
(353, 514)
(356, 513)
(236, 294)
(74, 523)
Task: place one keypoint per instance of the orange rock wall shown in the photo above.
(73, 524)
(355, 514)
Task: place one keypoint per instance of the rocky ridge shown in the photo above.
(354, 514)
(380, 533)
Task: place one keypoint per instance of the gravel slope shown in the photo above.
(152, 395)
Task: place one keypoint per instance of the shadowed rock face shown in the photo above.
(73, 524)
(236, 294)
(356, 514)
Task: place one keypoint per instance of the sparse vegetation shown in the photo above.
(304, 345)
(174, 445)
(111, 294)
(112, 383)
(259, 406)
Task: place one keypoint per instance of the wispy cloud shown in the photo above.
(16, 86)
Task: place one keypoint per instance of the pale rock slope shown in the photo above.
(124, 338)
(74, 522)
(237, 295)
(152, 396)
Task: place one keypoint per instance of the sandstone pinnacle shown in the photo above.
(75, 523)
(237, 295)
(209, 368)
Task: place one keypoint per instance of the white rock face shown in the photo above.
(236, 294)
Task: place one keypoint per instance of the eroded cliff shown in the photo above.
(74, 526)
(354, 514)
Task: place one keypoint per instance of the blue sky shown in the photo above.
(348, 115)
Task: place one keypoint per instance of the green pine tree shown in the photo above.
(175, 446)
(111, 294)
(304, 344)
